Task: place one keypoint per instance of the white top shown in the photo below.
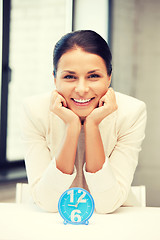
(122, 133)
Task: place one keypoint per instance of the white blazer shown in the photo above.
(122, 134)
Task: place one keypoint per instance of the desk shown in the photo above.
(27, 222)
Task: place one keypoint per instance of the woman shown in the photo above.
(83, 133)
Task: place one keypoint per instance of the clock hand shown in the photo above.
(71, 205)
(77, 202)
(76, 205)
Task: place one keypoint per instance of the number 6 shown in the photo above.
(74, 215)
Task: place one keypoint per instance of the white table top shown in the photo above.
(25, 222)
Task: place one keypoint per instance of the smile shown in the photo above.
(82, 100)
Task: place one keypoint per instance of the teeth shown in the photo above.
(81, 100)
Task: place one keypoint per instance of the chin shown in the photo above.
(83, 117)
(82, 114)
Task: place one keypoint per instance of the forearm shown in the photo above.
(65, 159)
(109, 200)
(95, 156)
(47, 189)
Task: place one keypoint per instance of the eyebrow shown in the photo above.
(68, 71)
(71, 72)
(94, 71)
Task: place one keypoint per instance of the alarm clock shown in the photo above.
(76, 206)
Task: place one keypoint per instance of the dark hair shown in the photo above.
(89, 41)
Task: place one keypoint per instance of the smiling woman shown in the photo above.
(83, 134)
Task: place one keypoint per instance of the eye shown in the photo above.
(94, 76)
(69, 77)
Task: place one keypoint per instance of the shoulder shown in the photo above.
(127, 102)
(37, 104)
(129, 105)
(34, 101)
(130, 109)
(36, 111)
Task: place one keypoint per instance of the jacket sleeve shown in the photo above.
(110, 185)
(43, 176)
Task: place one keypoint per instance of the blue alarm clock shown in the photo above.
(76, 206)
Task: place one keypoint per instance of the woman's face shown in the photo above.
(82, 80)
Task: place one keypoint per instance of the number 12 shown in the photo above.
(80, 199)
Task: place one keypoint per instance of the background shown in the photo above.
(29, 30)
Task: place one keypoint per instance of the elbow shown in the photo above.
(105, 209)
(46, 205)
(109, 203)
(45, 201)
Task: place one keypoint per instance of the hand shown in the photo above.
(107, 105)
(76, 205)
(58, 105)
(70, 205)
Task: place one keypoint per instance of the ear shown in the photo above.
(109, 80)
(54, 78)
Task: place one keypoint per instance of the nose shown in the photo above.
(82, 87)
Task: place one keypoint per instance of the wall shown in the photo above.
(87, 16)
(136, 71)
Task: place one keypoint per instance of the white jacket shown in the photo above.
(122, 134)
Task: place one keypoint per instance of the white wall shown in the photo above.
(69, 16)
(92, 15)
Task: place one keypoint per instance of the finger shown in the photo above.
(60, 101)
(110, 89)
(101, 102)
(63, 101)
(53, 98)
(109, 94)
(57, 100)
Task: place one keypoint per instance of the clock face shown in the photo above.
(76, 206)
